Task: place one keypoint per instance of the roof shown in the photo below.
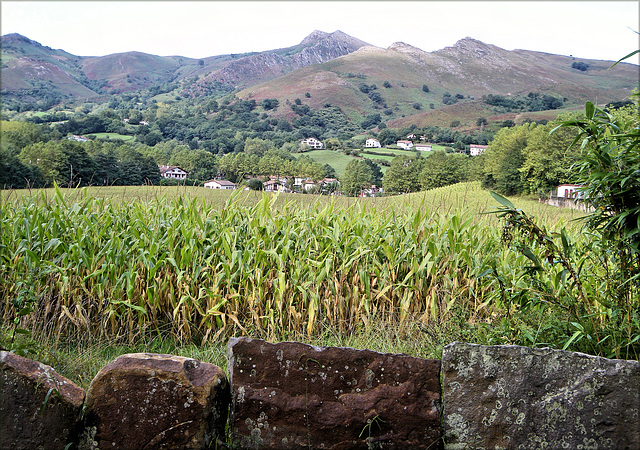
(221, 182)
(164, 169)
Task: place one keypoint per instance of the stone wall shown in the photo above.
(292, 395)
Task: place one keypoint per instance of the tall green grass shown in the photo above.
(195, 269)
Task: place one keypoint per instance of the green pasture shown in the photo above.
(124, 137)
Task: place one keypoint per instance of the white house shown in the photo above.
(423, 147)
(372, 143)
(568, 190)
(219, 184)
(476, 150)
(276, 186)
(313, 143)
(405, 144)
(172, 172)
(75, 137)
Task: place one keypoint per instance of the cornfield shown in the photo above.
(197, 270)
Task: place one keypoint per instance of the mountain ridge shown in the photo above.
(324, 68)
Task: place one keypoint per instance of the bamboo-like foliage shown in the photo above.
(191, 270)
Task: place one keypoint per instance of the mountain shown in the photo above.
(471, 69)
(27, 64)
(404, 84)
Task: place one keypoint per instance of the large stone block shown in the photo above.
(38, 407)
(292, 395)
(519, 397)
(145, 400)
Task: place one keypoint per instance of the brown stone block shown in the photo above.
(38, 407)
(518, 397)
(145, 400)
(292, 395)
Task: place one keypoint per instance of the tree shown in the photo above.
(403, 175)
(548, 158)
(371, 121)
(504, 158)
(386, 84)
(580, 66)
(425, 88)
(376, 172)
(14, 174)
(356, 177)
(269, 103)
(442, 169)
(255, 184)
(255, 146)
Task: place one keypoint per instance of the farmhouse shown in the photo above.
(313, 143)
(172, 172)
(404, 144)
(568, 190)
(372, 143)
(476, 150)
(423, 147)
(219, 184)
(276, 186)
(75, 137)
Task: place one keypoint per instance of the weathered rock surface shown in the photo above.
(38, 407)
(145, 400)
(292, 395)
(519, 397)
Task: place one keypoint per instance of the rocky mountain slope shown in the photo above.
(467, 71)
(26, 64)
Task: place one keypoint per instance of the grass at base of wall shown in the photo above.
(81, 359)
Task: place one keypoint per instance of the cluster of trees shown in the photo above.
(449, 99)
(534, 101)
(360, 174)
(435, 169)
(526, 159)
(260, 158)
(580, 66)
(36, 156)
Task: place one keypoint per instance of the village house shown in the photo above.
(276, 186)
(172, 172)
(313, 143)
(75, 137)
(219, 184)
(372, 143)
(405, 144)
(568, 190)
(476, 150)
(423, 147)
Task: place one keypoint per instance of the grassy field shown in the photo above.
(124, 137)
(339, 160)
(97, 272)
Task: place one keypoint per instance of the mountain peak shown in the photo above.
(403, 47)
(471, 46)
(314, 37)
(14, 38)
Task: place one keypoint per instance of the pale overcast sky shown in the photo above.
(605, 30)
